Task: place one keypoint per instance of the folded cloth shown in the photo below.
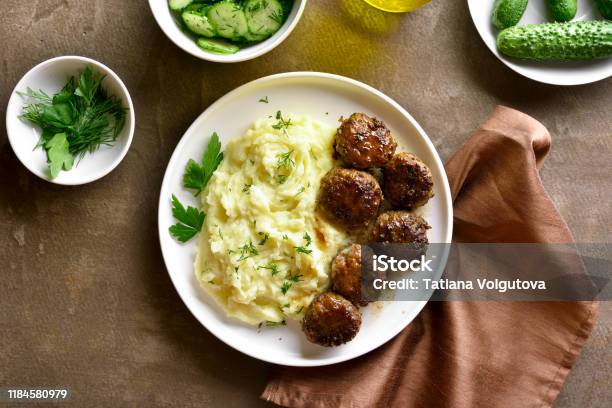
(470, 354)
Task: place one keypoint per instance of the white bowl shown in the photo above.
(173, 31)
(51, 76)
(548, 72)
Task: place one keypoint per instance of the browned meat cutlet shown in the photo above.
(346, 274)
(401, 227)
(331, 320)
(408, 181)
(363, 142)
(350, 198)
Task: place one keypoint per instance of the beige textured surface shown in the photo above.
(85, 299)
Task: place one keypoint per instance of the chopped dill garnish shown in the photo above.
(247, 251)
(300, 191)
(285, 160)
(282, 179)
(295, 278)
(288, 283)
(264, 100)
(282, 123)
(277, 17)
(264, 237)
(304, 249)
(247, 188)
(272, 267)
(286, 286)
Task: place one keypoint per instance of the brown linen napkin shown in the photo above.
(470, 354)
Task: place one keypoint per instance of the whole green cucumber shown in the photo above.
(507, 13)
(581, 40)
(605, 8)
(563, 10)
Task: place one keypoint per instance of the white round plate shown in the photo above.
(51, 76)
(548, 72)
(324, 97)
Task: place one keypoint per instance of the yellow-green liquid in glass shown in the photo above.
(397, 6)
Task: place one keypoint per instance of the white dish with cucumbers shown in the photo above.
(227, 30)
(559, 42)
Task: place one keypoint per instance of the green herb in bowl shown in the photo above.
(77, 120)
(224, 26)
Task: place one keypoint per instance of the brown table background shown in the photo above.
(85, 298)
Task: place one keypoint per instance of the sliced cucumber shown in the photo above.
(198, 22)
(264, 17)
(217, 46)
(179, 4)
(228, 19)
(250, 37)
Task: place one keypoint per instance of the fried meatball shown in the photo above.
(346, 274)
(331, 320)
(363, 142)
(408, 181)
(348, 278)
(350, 197)
(401, 227)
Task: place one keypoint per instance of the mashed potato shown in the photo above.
(263, 254)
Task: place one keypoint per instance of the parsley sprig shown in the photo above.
(197, 175)
(190, 221)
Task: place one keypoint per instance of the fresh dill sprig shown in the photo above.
(282, 123)
(288, 283)
(285, 160)
(272, 267)
(274, 324)
(247, 251)
(305, 249)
